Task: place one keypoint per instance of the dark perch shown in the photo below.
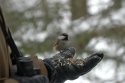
(73, 71)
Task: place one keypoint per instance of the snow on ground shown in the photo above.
(79, 80)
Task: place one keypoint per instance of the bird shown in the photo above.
(62, 42)
(62, 45)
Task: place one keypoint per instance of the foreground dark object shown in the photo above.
(60, 70)
(66, 71)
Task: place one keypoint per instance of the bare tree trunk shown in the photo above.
(78, 8)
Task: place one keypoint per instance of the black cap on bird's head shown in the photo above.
(63, 36)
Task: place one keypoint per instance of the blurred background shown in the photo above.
(93, 25)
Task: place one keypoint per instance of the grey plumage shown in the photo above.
(62, 45)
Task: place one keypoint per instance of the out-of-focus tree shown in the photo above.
(78, 8)
(92, 25)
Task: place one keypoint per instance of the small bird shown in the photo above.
(62, 42)
(62, 45)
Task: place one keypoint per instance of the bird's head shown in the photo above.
(63, 36)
